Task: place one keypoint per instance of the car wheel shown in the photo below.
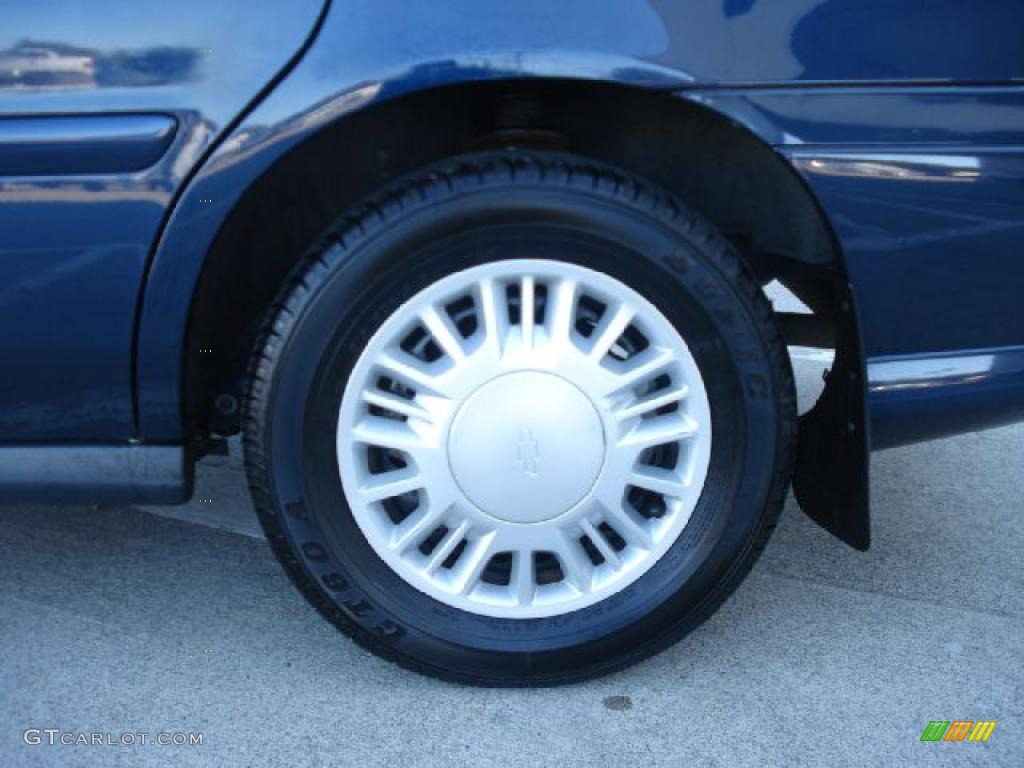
(521, 419)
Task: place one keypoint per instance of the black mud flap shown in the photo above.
(831, 477)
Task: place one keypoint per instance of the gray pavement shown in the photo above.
(178, 619)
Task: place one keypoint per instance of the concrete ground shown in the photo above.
(179, 620)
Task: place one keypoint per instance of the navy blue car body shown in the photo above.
(150, 151)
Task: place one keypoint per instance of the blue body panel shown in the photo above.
(105, 109)
(927, 396)
(933, 243)
(906, 119)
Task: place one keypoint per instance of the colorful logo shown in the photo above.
(958, 730)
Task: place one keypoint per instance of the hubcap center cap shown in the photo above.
(526, 447)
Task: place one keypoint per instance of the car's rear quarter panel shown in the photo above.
(76, 227)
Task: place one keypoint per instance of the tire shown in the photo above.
(513, 436)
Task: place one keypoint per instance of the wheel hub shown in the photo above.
(526, 447)
(524, 438)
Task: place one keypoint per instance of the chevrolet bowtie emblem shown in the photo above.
(527, 451)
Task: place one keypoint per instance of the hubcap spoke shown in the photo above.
(612, 326)
(643, 367)
(395, 404)
(494, 316)
(562, 310)
(597, 538)
(524, 438)
(473, 562)
(659, 480)
(443, 333)
(574, 561)
(410, 371)
(630, 527)
(659, 431)
(651, 403)
(416, 527)
(448, 544)
(522, 582)
(388, 433)
(391, 484)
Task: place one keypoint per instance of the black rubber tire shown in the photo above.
(475, 209)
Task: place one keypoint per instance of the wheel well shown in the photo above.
(715, 165)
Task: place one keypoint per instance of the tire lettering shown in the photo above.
(297, 510)
(358, 608)
(314, 551)
(388, 630)
(705, 288)
(335, 582)
(726, 316)
(678, 262)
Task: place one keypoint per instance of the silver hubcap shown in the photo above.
(524, 438)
